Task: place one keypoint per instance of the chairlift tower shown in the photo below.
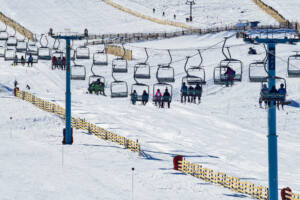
(272, 38)
(68, 36)
(190, 3)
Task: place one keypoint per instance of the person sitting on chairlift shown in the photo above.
(157, 97)
(23, 60)
(58, 63)
(264, 90)
(54, 61)
(30, 60)
(166, 98)
(134, 97)
(281, 91)
(190, 94)
(15, 60)
(252, 51)
(198, 93)
(183, 92)
(145, 97)
(63, 63)
(230, 73)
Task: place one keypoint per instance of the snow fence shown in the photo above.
(78, 123)
(118, 51)
(230, 182)
(18, 27)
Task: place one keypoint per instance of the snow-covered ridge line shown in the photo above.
(159, 21)
(15, 25)
(230, 182)
(78, 123)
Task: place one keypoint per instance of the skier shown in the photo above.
(134, 97)
(183, 92)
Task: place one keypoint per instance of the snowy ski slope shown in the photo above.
(226, 132)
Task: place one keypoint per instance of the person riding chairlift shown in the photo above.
(134, 97)
(183, 92)
(145, 97)
(166, 98)
(157, 97)
(281, 91)
(229, 74)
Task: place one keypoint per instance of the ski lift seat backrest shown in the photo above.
(12, 41)
(255, 66)
(119, 65)
(99, 60)
(82, 52)
(196, 78)
(9, 54)
(169, 78)
(115, 93)
(4, 35)
(74, 72)
(145, 71)
(44, 53)
(292, 70)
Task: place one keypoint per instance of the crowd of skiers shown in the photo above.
(59, 63)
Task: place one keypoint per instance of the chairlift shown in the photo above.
(165, 73)
(9, 54)
(195, 74)
(78, 72)
(257, 72)
(96, 84)
(44, 52)
(162, 87)
(58, 54)
(35, 58)
(82, 52)
(140, 88)
(4, 29)
(120, 65)
(118, 89)
(4, 35)
(142, 70)
(293, 66)
(100, 58)
(21, 46)
(32, 48)
(270, 96)
(56, 44)
(12, 41)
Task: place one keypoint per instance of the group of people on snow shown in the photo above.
(190, 93)
(267, 95)
(59, 63)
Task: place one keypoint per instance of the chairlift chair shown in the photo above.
(44, 53)
(257, 72)
(274, 96)
(96, 87)
(12, 41)
(100, 58)
(140, 88)
(21, 46)
(2, 51)
(4, 35)
(9, 54)
(292, 70)
(219, 75)
(34, 56)
(118, 89)
(82, 52)
(142, 71)
(236, 65)
(162, 87)
(32, 48)
(194, 74)
(119, 65)
(78, 72)
(165, 74)
(58, 54)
